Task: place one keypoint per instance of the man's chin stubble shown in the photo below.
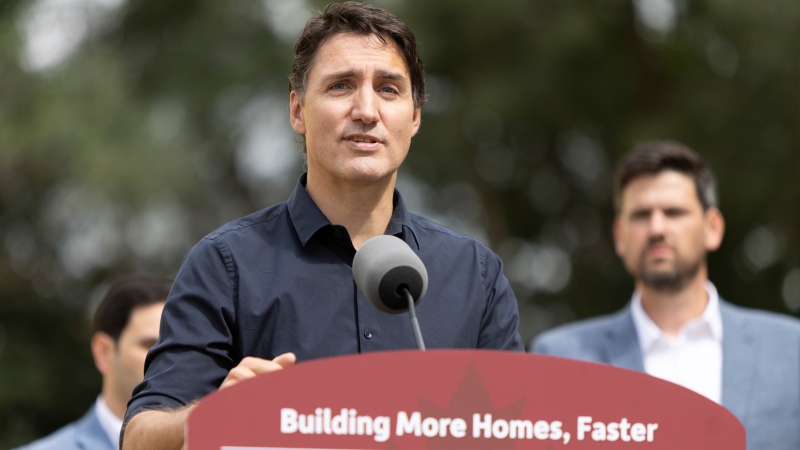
(663, 282)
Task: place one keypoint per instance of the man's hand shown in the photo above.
(164, 429)
(251, 366)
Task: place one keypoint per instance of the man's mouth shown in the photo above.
(658, 251)
(362, 139)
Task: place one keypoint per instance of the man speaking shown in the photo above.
(277, 285)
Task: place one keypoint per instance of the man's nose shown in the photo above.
(365, 106)
(657, 223)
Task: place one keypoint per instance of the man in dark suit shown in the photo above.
(125, 327)
(676, 326)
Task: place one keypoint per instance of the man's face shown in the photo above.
(357, 116)
(662, 233)
(126, 365)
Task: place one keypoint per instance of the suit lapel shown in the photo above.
(739, 354)
(739, 360)
(622, 343)
(89, 434)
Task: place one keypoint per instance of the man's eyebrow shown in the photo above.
(380, 74)
(339, 75)
(388, 75)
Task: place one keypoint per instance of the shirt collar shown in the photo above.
(308, 219)
(110, 423)
(648, 332)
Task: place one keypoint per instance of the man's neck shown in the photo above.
(671, 310)
(364, 210)
(115, 404)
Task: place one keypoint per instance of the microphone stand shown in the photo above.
(413, 312)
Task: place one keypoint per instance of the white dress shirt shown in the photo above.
(693, 358)
(108, 420)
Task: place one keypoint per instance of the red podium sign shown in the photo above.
(458, 399)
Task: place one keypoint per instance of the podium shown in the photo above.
(458, 399)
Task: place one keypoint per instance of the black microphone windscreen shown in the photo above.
(382, 266)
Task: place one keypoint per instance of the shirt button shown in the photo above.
(368, 334)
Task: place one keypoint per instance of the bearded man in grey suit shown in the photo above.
(676, 327)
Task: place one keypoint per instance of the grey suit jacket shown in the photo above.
(760, 365)
(83, 434)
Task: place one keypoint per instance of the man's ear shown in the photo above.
(619, 246)
(714, 229)
(103, 348)
(416, 121)
(296, 113)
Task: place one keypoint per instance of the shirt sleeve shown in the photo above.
(500, 323)
(195, 348)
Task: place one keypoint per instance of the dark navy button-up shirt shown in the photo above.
(281, 280)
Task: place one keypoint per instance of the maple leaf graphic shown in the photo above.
(471, 397)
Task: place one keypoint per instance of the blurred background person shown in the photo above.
(677, 327)
(126, 325)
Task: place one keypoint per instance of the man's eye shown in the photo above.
(674, 212)
(147, 343)
(388, 90)
(338, 86)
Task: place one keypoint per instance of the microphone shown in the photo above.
(392, 277)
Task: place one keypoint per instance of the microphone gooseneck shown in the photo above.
(414, 322)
